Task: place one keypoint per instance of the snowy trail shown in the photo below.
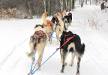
(94, 61)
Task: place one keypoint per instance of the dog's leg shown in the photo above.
(50, 37)
(78, 65)
(72, 59)
(72, 51)
(40, 48)
(63, 57)
(58, 33)
(32, 49)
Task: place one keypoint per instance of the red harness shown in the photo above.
(67, 40)
(39, 34)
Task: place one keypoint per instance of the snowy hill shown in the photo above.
(89, 22)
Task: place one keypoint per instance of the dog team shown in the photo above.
(69, 42)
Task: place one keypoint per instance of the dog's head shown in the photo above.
(68, 18)
(38, 25)
(54, 20)
(45, 14)
(66, 35)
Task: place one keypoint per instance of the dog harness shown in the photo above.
(39, 35)
(67, 40)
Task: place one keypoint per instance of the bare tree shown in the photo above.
(70, 4)
(64, 4)
(61, 3)
(45, 5)
(49, 7)
(82, 3)
(86, 1)
(73, 4)
(90, 2)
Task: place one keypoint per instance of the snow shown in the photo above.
(89, 22)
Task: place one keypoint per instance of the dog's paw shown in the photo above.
(62, 71)
(77, 74)
(71, 65)
(29, 54)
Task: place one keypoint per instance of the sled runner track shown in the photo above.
(7, 57)
(10, 54)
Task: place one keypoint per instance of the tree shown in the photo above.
(70, 4)
(82, 3)
(90, 2)
(64, 4)
(61, 3)
(45, 5)
(49, 7)
(73, 4)
(86, 1)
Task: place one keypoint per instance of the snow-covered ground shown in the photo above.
(89, 22)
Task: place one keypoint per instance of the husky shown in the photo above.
(37, 43)
(73, 46)
(48, 25)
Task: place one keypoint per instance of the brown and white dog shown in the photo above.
(37, 43)
(66, 17)
(48, 25)
(59, 25)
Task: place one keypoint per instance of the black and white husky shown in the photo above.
(67, 19)
(71, 43)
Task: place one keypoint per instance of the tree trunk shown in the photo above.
(73, 4)
(61, 4)
(106, 0)
(64, 4)
(86, 1)
(49, 7)
(90, 2)
(96, 2)
(82, 3)
(29, 8)
(79, 2)
(45, 5)
(70, 4)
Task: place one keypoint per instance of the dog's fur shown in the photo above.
(59, 25)
(48, 25)
(61, 22)
(65, 16)
(55, 22)
(37, 43)
(67, 19)
(74, 46)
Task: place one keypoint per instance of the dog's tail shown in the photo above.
(82, 48)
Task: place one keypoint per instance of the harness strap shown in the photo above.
(66, 41)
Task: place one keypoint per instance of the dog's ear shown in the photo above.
(69, 14)
(53, 19)
(39, 25)
(70, 32)
(35, 26)
(64, 32)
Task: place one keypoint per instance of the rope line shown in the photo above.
(36, 69)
